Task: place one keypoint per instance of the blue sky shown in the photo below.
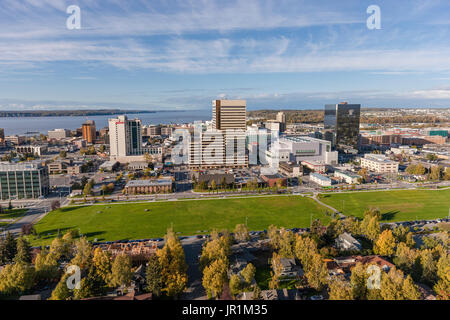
(164, 54)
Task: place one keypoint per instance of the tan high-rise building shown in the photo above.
(229, 114)
(89, 131)
(224, 145)
(281, 118)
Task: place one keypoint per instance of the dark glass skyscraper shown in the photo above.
(341, 123)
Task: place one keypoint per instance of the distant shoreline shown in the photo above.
(70, 113)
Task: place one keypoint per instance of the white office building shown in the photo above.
(321, 180)
(302, 148)
(379, 163)
(125, 139)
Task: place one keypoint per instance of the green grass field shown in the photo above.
(12, 214)
(131, 221)
(401, 205)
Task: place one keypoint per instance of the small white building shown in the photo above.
(348, 177)
(379, 163)
(320, 179)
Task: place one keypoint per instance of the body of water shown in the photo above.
(22, 125)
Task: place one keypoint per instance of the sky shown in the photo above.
(180, 55)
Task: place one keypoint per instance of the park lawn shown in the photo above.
(12, 214)
(129, 221)
(402, 205)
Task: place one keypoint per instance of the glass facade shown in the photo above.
(20, 183)
(341, 123)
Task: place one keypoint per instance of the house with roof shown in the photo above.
(346, 242)
(289, 268)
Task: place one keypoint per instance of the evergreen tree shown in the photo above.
(23, 255)
(153, 275)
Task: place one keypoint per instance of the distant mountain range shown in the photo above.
(68, 113)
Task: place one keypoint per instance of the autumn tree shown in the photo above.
(46, 266)
(358, 281)
(235, 284)
(394, 286)
(214, 277)
(442, 286)
(406, 258)
(241, 233)
(173, 265)
(248, 273)
(16, 278)
(385, 245)
(121, 273)
(317, 272)
(340, 290)
(83, 253)
(102, 263)
(286, 244)
(370, 227)
(61, 291)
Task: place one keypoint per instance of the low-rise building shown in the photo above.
(163, 185)
(35, 150)
(316, 166)
(345, 241)
(138, 165)
(348, 177)
(273, 180)
(379, 163)
(58, 134)
(23, 181)
(290, 170)
(15, 140)
(321, 180)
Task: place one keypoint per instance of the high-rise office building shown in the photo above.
(281, 118)
(229, 114)
(2, 137)
(89, 131)
(224, 144)
(125, 137)
(341, 124)
(23, 181)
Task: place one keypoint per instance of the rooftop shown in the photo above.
(149, 183)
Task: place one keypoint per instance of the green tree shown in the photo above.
(121, 273)
(370, 227)
(256, 293)
(16, 279)
(8, 249)
(23, 255)
(90, 286)
(235, 284)
(102, 263)
(153, 276)
(61, 291)
(248, 273)
(358, 281)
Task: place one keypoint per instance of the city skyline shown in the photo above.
(170, 55)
